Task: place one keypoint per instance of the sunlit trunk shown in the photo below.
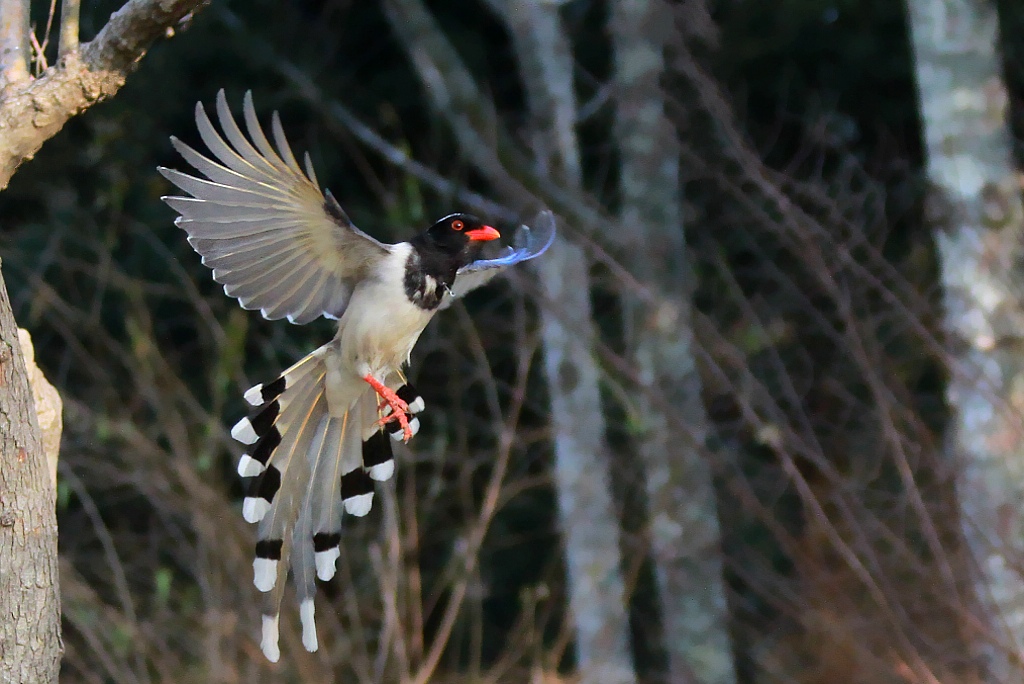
(976, 206)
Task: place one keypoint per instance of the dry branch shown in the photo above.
(33, 111)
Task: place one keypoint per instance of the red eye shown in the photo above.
(458, 225)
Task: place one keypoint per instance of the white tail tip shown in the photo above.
(359, 505)
(306, 611)
(243, 432)
(254, 508)
(417, 405)
(269, 644)
(325, 563)
(254, 395)
(382, 471)
(249, 466)
(264, 574)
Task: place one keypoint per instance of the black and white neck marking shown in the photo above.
(429, 274)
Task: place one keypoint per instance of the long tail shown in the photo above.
(305, 469)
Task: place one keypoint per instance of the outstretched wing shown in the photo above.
(273, 240)
(528, 242)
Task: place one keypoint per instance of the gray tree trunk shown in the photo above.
(590, 526)
(30, 645)
(977, 206)
(684, 531)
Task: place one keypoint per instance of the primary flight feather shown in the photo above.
(320, 434)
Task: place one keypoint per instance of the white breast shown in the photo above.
(380, 325)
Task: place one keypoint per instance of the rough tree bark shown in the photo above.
(684, 532)
(979, 227)
(32, 110)
(30, 646)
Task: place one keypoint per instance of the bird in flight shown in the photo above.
(319, 435)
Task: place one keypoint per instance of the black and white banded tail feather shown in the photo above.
(303, 470)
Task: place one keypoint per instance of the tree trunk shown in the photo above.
(683, 517)
(589, 523)
(976, 205)
(590, 526)
(30, 644)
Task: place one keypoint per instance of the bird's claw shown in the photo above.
(401, 414)
(399, 409)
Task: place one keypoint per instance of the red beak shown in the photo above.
(483, 234)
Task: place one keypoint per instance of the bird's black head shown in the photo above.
(455, 234)
(440, 252)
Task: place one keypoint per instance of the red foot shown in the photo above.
(399, 409)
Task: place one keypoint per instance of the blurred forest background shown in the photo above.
(717, 434)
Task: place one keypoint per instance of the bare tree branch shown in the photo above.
(32, 114)
(69, 13)
(14, 28)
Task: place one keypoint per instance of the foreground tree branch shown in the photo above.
(33, 110)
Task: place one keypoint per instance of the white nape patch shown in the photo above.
(325, 563)
(359, 505)
(417, 405)
(243, 432)
(254, 395)
(414, 426)
(382, 471)
(269, 644)
(249, 466)
(254, 508)
(264, 574)
(306, 611)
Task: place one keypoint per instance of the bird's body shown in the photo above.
(320, 434)
(377, 332)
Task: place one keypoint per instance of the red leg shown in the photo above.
(399, 409)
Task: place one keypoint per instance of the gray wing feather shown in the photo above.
(528, 243)
(273, 239)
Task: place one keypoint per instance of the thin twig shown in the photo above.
(14, 46)
(69, 16)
